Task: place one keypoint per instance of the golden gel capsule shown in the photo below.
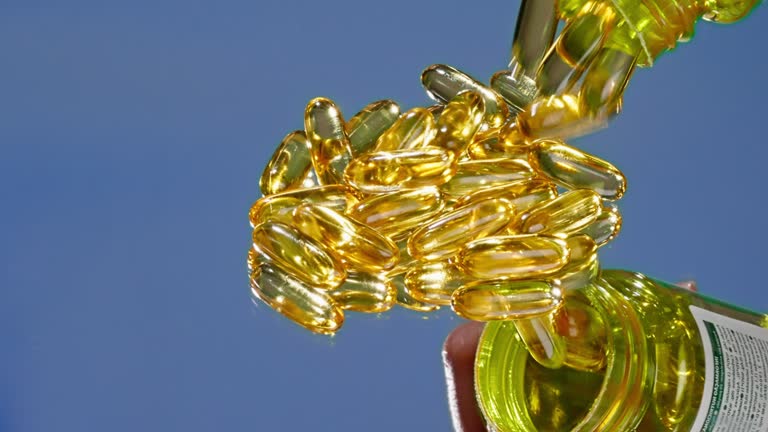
(534, 33)
(444, 236)
(574, 169)
(474, 175)
(542, 341)
(253, 261)
(359, 245)
(367, 126)
(329, 144)
(406, 260)
(414, 129)
(494, 148)
(396, 214)
(582, 268)
(396, 170)
(515, 88)
(505, 300)
(513, 257)
(336, 197)
(564, 215)
(560, 116)
(406, 300)
(584, 333)
(522, 194)
(275, 208)
(459, 121)
(675, 356)
(436, 110)
(298, 255)
(365, 292)
(605, 227)
(434, 282)
(605, 81)
(443, 83)
(306, 306)
(289, 166)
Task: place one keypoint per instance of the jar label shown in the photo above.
(736, 382)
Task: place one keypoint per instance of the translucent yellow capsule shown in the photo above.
(436, 110)
(443, 83)
(515, 88)
(534, 32)
(605, 81)
(414, 129)
(358, 244)
(584, 332)
(474, 175)
(406, 300)
(443, 237)
(513, 257)
(384, 172)
(493, 147)
(505, 300)
(574, 169)
(298, 255)
(582, 268)
(675, 378)
(459, 121)
(564, 215)
(252, 260)
(367, 126)
(522, 194)
(365, 292)
(329, 144)
(541, 339)
(605, 227)
(396, 214)
(727, 11)
(434, 282)
(289, 165)
(311, 308)
(405, 262)
(336, 197)
(560, 116)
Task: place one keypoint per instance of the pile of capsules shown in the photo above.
(474, 202)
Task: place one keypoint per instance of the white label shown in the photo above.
(736, 382)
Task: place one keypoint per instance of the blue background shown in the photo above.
(132, 138)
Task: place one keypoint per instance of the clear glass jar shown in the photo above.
(674, 360)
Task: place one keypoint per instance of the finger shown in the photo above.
(689, 285)
(458, 359)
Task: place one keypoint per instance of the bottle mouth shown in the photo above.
(502, 361)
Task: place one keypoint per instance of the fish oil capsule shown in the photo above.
(493, 147)
(436, 110)
(515, 88)
(534, 32)
(336, 197)
(459, 121)
(289, 166)
(605, 227)
(253, 261)
(443, 83)
(367, 126)
(384, 172)
(727, 11)
(575, 169)
(396, 214)
(522, 194)
(365, 292)
(414, 129)
(311, 308)
(407, 301)
(474, 175)
(298, 255)
(434, 282)
(542, 341)
(566, 214)
(405, 262)
(560, 116)
(505, 300)
(443, 237)
(329, 144)
(513, 257)
(584, 332)
(605, 81)
(673, 394)
(276, 208)
(582, 268)
(359, 245)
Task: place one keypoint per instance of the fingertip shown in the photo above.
(458, 360)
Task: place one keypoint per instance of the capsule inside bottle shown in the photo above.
(505, 300)
(541, 340)
(312, 309)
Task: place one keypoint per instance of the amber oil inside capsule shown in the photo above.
(542, 341)
(336, 197)
(459, 121)
(288, 166)
(561, 216)
(513, 257)
(329, 144)
(434, 282)
(367, 126)
(414, 129)
(472, 176)
(396, 214)
(505, 300)
(365, 292)
(383, 172)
